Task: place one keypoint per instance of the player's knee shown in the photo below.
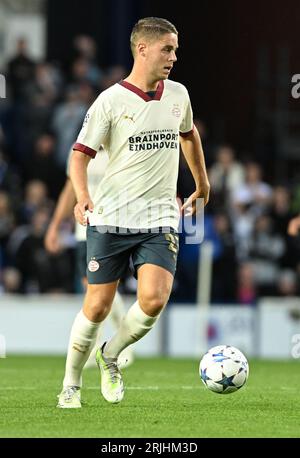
(153, 304)
(98, 310)
(97, 306)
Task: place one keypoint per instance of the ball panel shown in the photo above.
(230, 367)
(240, 379)
(213, 386)
(230, 389)
(214, 371)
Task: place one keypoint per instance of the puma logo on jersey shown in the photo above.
(129, 117)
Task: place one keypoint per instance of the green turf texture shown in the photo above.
(163, 398)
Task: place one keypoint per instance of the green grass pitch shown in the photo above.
(164, 398)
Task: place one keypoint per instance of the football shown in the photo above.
(224, 369)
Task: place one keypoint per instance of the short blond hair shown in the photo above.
(150, 28)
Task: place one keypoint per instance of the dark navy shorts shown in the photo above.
(109, 251)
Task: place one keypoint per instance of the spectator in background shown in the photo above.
(86, 93)
(10, 180)
(225, 263)
(42, 92)
(41, 165)
(246, 291)
(10, 281)
(41, 272)
(45, 86)
(113, 75)
(287, 285)
(7, 224)
(248, 200)
(281, 215)
(66, 122)
(280, 209)
(36, 195)
(254, 191)
(205, 140)
(20, 71)
(265, 251)
(85, 54)
(80, 72)
(226, 175)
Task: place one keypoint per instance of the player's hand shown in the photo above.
(52, 240)
(190, 206)
(294, 226)
(81, 208)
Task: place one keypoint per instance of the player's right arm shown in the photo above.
(78, 175)
(92, 135)
(294, 226)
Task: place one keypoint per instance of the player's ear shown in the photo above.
(141, 49)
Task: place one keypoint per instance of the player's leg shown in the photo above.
(81, 254)
(97, 304)
(107, 259)
(103, 274)
(155, 257)
(117, 309)
(154, 288)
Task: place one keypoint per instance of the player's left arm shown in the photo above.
(192, 149)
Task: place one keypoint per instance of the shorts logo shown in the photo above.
(176, 111)
(93, 265)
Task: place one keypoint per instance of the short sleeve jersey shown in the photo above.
(141, 136)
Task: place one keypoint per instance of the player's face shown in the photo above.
(161, 56)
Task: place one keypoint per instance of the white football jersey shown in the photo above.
(141, 136)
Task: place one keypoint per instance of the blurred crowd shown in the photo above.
(246, 219)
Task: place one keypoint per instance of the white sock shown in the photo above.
(116, 314)
(91, 361)
(82, 340)
(133, 327)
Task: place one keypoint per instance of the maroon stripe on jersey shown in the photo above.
(185, 134)
(142, 94)
(159, 91)
(85, 149)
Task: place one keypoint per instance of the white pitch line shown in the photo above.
(154, 388)
(140, 388)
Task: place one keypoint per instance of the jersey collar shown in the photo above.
(142, 94)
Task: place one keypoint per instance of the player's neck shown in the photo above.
(141, 81)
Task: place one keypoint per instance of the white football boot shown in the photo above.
(69, 398)
(112, 387)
